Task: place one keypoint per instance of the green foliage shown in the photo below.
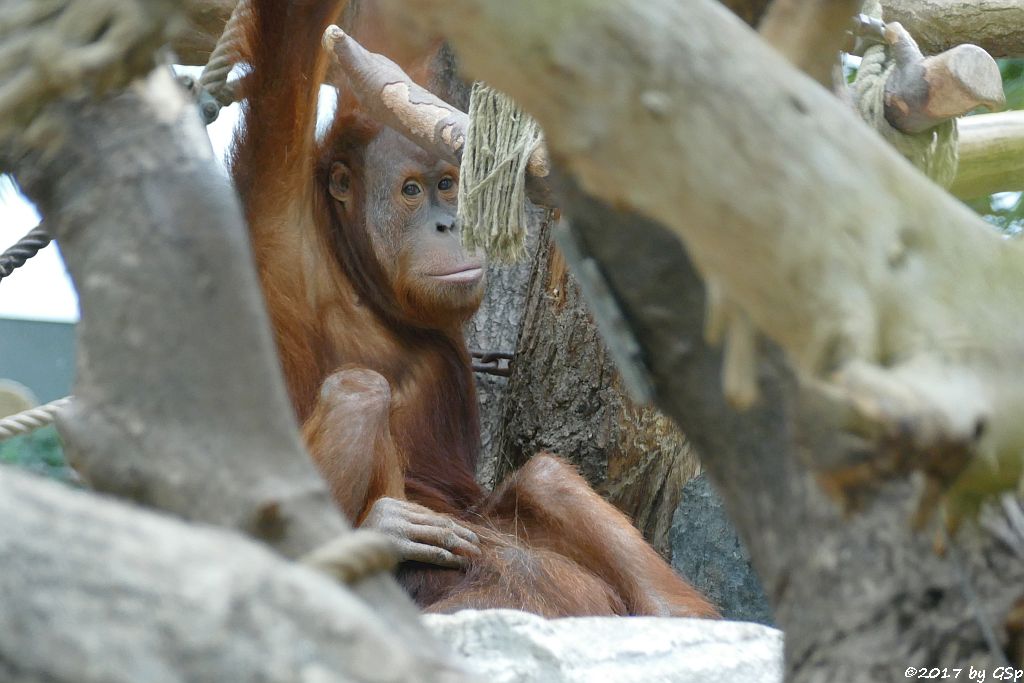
(40, 452)
(1006, 209)
(1013, 82)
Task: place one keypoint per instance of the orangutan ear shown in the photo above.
(340, 185)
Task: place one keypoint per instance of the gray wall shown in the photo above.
(40, 355)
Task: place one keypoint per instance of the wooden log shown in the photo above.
(131, 596)
(991, 155)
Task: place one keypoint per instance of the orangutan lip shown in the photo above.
(467, 275)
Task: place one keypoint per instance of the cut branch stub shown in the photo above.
(390, 96)
(922, 92)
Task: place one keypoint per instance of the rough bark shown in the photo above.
(179, 402)
(707, 550)
(97, 591)
(633, 455)
(495, 327)
(639, 461)
(991, 155)
(66, 47)
(846, 270)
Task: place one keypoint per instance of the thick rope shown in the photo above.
(24, 249)
(935, 151)
(354, 556)
(227, 53)
(30, 420)
(492, 183)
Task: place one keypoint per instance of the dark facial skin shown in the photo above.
(410, 206)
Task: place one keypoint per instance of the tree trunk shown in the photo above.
(991, 151)
(495, 327)
(565, 396)
(179, 402)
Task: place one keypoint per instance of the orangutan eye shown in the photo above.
(446, 184)
(411, 189)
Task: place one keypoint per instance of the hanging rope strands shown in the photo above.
(25, 248)
(913, 101)
(492, 184)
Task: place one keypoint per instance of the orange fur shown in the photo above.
(387, 402)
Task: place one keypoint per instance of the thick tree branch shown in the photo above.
(814, 561)
(183, 408)
(179, 399)
(134, 596)
(809, 33)
(997, 26)
(991, 155)
(848, 271)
